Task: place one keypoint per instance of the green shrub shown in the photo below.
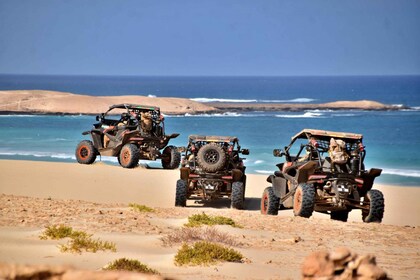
(56, 232)
(79, 240)
(203, 219)
(61, 231)
(86, 243)
(140, 208)
(205, 253)
(130, 265)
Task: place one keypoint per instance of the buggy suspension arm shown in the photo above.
(289, 194)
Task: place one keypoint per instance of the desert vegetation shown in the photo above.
(141, 208)
(79, 240)
(194, 234)
(197, 220)
(206, 253)
(130, 265)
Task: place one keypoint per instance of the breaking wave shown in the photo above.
(264, 171)
(402, 172)
(305, 115)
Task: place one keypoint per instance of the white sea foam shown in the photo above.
(402, 172)
(343, 115)
(295, 100)
(305, 115)
(264, 171)
(204, 100)
(151, 96)
(226, 114)
(415, 108)
(63, 156)
(19, 116)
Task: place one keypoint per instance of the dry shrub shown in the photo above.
(193, 234)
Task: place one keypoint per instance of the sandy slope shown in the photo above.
(95, 199)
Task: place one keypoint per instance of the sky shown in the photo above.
(210, 37)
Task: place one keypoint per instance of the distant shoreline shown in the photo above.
(42, 102)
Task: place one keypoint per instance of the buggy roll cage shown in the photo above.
(155, 111)
(318, 141)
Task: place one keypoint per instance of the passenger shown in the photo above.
(337, 151)
(146, 122)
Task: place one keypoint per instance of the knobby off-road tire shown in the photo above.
(237, 198)
(86, 152)
(304, 200)
(181, 193)
(377, 207)
(211, 157)
(129, 156)
(340, 215)
(172, 158)
(269, 202)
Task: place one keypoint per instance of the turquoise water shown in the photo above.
(391, 138)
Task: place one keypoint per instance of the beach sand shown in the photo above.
(95, 198)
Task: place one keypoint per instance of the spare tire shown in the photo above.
(211, 157)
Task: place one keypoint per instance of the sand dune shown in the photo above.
(95, 198)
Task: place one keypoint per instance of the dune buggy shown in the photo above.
(212, 168)
(327, 174)
(129, 132)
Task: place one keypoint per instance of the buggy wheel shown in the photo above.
(304, 200)
(181, 193)
(376, 209)
(171, 158)
(237, 198)
(211, 157)
(86, 152)
(129, 156)
(269, 202)
(340, 215)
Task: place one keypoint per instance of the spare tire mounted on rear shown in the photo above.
(211, 157)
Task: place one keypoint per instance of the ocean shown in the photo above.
(392, 138)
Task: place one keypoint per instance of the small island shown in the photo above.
(64, 103)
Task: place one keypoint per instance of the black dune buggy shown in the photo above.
(130, 132)
(327, 175)
(212, 168)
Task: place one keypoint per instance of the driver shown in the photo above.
(110, 130)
